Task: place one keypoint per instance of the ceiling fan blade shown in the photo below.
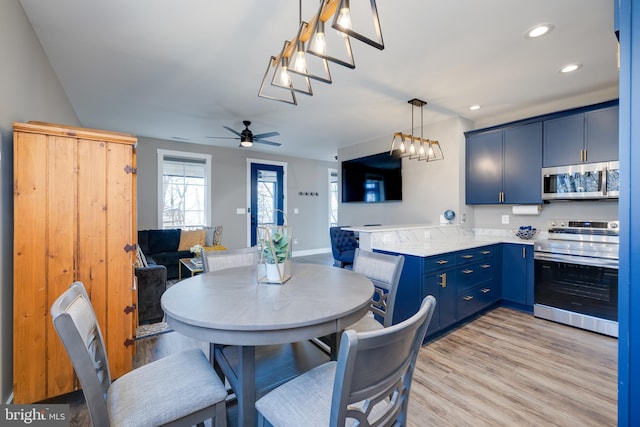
(232, 130)
(266, 135)
(222, 137)
(262, 141)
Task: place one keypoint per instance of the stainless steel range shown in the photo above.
(576, 275)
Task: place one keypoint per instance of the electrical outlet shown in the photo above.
(295, 240)
(505, 219)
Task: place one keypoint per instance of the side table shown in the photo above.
(192, 267)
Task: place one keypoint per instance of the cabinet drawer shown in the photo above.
(473, 274)
(475, 299)
(438, 262)
(476, 254)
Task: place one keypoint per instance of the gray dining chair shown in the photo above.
(179, 390)
(220, 260)
(368, 385)
(384, 270)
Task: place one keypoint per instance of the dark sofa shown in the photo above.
(161, 247)
(152, 282)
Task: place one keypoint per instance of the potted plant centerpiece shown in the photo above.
(274, 254)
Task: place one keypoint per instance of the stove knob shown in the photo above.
(614, 225)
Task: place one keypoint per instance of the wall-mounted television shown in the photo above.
(372, 179)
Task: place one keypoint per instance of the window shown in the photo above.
(267, 197)
(333, 197)
(183, 189)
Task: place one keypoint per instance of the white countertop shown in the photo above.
(427, 240)
(436, 247)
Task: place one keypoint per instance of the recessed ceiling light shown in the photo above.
(570, 68)
(538, 30)
(474, 107)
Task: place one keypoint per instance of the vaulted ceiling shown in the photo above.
(181, 70)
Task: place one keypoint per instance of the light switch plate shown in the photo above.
(505, 219)
(240, 211)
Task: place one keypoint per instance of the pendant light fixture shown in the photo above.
(350, 19)
(414, 147)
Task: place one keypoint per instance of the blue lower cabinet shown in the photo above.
(409, 294)
(441, 285)
(517, 274)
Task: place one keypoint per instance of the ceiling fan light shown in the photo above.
(245, 142)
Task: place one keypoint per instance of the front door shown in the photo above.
(267, 197)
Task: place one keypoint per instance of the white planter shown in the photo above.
(275, 272)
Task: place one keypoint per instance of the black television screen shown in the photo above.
(372, 179)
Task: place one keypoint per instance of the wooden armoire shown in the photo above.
(74, 220)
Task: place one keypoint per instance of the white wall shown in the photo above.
(428, 188)
(31, 91)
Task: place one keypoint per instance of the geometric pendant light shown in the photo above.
(275, 93)
(330, 45)
(356, 20)
(416, 147)
(312, 66)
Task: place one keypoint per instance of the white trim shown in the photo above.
(251, 161)
(308, 252)
(186, 155)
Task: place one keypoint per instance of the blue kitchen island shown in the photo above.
(468, 271)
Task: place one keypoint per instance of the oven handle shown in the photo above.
(579, 260)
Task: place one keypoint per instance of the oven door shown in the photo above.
(563, 282)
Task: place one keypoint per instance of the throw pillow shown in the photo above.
(141, 260)
(217, 236)
(212, 235)
(189, 238)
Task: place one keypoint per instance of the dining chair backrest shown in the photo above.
(384, 270)
(75, 322)
(375, 369)
(220, 260)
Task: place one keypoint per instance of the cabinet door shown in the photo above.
(517, 274)
(408, 299)
(484, 168)
(563, 140)
(523, 164)
(601, 135)
(441, 285)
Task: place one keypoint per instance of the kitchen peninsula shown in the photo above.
(467, 270)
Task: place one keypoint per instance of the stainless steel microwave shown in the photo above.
(583, 181)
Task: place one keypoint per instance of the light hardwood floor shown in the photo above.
(508, 368)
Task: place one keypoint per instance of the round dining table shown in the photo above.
(232, 308)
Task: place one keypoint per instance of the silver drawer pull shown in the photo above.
(467, 256)
(485, 252)
(485, 290)
(467, 271)
(468, 298)
(442, 261)
(486, 266)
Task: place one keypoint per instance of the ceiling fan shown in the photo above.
(247, 138)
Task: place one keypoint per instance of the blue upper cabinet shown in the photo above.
(563, 140)
(584, 137)
(484, 168)
(601, 135)
(522, 164)
(503, 165)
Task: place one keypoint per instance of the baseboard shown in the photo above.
(311, 252)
